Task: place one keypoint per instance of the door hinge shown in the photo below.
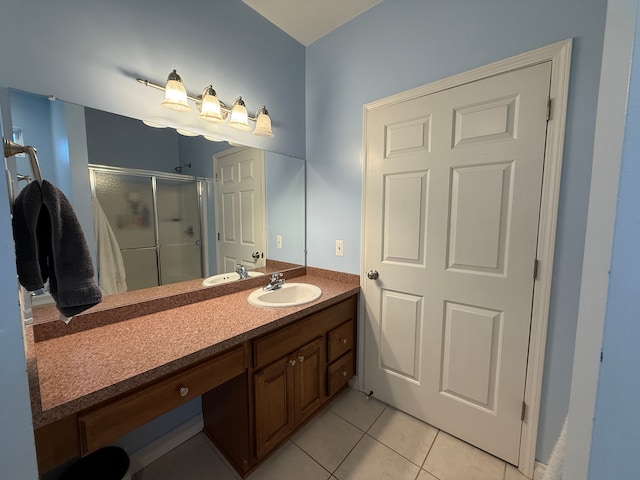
(601, 355)
(218, 236)
(523, 413)
(536, 264)
(217, 172)
(548, 109)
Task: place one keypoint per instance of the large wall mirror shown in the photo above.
(176, 207)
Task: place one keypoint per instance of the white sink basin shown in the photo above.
(289, 295)
(226, 278)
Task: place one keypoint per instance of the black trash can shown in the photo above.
(108, 463)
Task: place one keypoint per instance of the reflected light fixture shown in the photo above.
(211, 138)
(149, 123)
(210, 107)
(186, 133)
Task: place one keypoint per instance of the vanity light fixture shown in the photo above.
(263, 123)
(175, 95)
(209, 106)
(239, 118)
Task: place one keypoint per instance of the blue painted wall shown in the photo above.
(615, 451)
(401, 44)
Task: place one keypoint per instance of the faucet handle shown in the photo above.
(276, 276)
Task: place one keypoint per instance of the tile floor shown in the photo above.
(355, 438)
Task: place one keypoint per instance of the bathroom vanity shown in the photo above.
(261, 372)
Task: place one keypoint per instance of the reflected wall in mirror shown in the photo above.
(179, 207)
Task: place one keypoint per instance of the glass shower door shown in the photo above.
(127, 201)
(179, 236)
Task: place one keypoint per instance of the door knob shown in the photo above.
(373, 274)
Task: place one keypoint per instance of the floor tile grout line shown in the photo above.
(364, 434)
(308, 455)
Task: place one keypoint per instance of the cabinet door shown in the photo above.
(308, 381)
(274, 404)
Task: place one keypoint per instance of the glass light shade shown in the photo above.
(210, 110)
(263, 124)
(186, 133)
(239, 118)
(175, 97)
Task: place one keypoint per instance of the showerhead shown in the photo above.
(180, 167)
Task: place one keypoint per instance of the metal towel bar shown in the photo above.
(11, 149)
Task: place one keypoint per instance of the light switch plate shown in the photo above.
(339, 248)
(278, 241)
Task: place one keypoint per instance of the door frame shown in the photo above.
(559, 54)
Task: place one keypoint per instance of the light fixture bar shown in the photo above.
(197, 100)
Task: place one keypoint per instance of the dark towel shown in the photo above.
(50, 245)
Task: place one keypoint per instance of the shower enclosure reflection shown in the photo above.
(155, 219)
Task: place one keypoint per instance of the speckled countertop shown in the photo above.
(70, 373)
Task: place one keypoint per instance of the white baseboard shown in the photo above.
(539, 470)
(147, 455)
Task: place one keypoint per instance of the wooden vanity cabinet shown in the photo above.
(286, 393)
(294, 372)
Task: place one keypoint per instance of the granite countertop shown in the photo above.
(73, 372)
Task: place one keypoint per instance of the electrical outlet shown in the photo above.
(278, 241)
(339, 248)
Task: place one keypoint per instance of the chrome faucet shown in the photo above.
(242, 271)
(277, 280)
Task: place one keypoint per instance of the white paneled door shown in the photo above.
(453, 188)
(240, 209)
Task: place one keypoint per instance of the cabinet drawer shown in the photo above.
(340, 341)
(276, 345)
(102, 426)
(339, 373)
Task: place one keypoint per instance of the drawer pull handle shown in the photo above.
(184, 391)
(344, 373)
(292, 363)
(301, 358)
(343, 341)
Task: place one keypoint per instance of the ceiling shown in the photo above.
(309, 20)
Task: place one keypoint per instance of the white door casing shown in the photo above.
(486, 256)
(240, 215)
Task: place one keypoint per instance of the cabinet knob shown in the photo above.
(292, 362)
(301, 358)
(184, 391)
(344, 373)
(343, 341)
